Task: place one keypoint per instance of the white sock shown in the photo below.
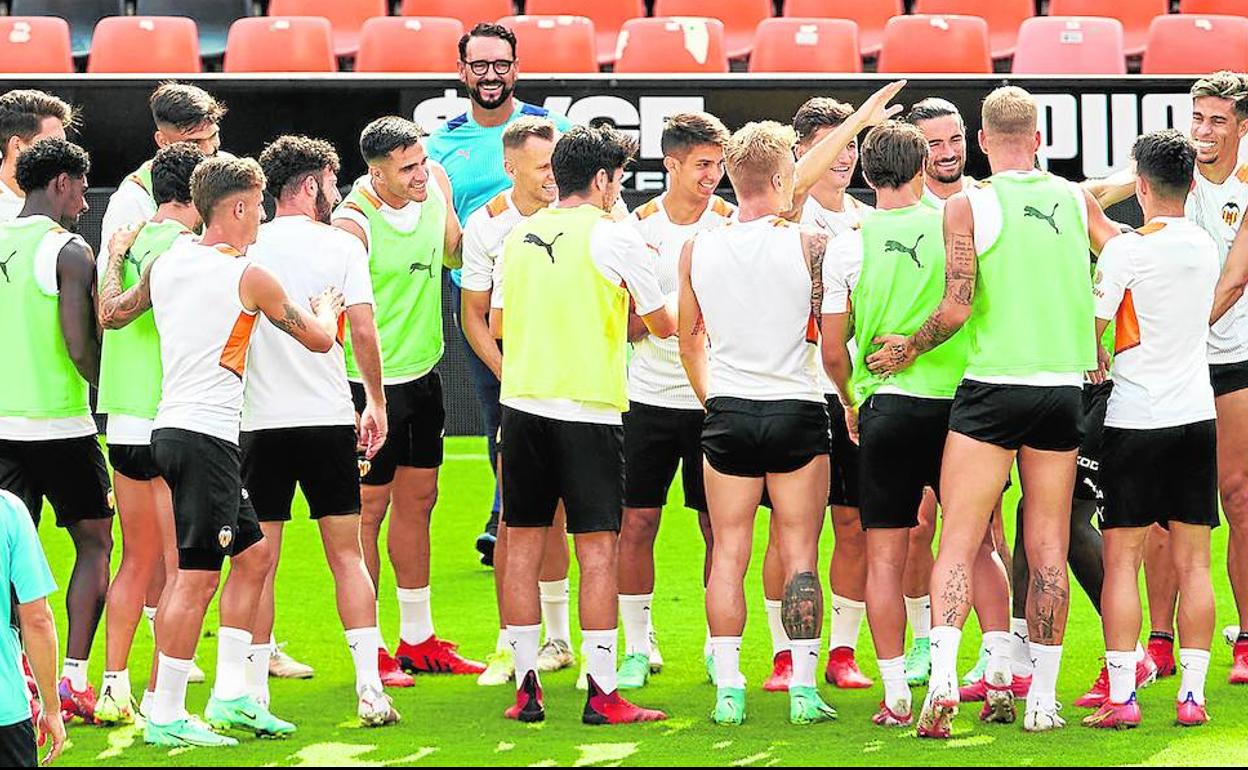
(1195, 665)
(76, 670)
(896, 690)
(999, 645)
(1140, 654)
(257, 672)
(415, 615)
(524, 641)
(598, 647)
(501, 645)
(945, 641)
(118, 682)
(150, 614)
(635, 612)
(554, 595)
(1020, 662)
(727, 653)
(805, 661)
(919, 614)
(363, 644)
(1121, 667)
(847, 616)
(169, 701)
(233, 645)
(1047, 660)
(146, 702)
(775, 622)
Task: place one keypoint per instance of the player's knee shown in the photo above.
(1234, 489)
(639, 527)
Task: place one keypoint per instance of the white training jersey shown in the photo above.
(753, 285)
(835, 223)
(11, 202)
(289, 386)
(1219, 209)
(484, 233)
(939, 202)
(655, 374)
(130, 204)
(204, 335)
(405, 218)
(1157, 284)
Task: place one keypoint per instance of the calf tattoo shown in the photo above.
(956, 594)
(1047, 602)
(802, 606)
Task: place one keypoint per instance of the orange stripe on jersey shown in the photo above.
(812, 329)
(135, 178)
(228, 250)
(1241, 173)
(341, 336)
(721, 206)
(1126, 325)
(647, 209)
(497, 205)
(780, 222)
(1150, 228)
(234, 354)
(351, 205)
(373, 200)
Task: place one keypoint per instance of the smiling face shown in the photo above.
(1216, 129)
(841, 173)
(531, 170)
(403, 173)
(489, 89)
(698, 172)
(946, 143)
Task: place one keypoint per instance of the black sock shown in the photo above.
(1169, 637)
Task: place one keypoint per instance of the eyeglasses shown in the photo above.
(501, 66)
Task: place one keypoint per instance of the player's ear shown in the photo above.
(1037, 141)
(670, 164)
(983, 141)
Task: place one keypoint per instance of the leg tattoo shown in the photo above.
(1047, 603)
(802, 606)
(956, 594)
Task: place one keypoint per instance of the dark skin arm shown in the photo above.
(75, 279)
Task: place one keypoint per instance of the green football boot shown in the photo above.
(184, 732)
(634, 671)
(244, 713)
(806, 707)
(919, 662)
(729, 706)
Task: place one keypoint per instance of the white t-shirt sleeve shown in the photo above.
(478, 267)
(842, 264)
(622, 256)
(1113, 277)
(348, 213)
(46, 260)
(128, 205)
(496, 279)
(357, 288)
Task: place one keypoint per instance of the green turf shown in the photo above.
(452, 721)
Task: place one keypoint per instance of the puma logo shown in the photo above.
(536, 240)
(427, 269)
(353, 646)
(4, 267)
(1032, 211)
(605, 648)
(1020, 637)
(891, 245)
(1115, 665)
(138, 263)
(813, 654)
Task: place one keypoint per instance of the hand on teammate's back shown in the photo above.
(894, 354)
(327, 306)
(123, 239)
(51, 730)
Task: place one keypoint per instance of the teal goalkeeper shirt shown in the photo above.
(24, 577)
(472, 155)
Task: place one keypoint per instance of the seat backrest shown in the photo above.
(608, 17)
(672, 45)
(1135, 16)
(35, 44)
(409, 44)
(1188, 44)
(82, 16)
(345, 17)
(1003, 17)
(145, 44)
(1070, 45)
(952, 44)
(740, 18)
(806, 45)
(280, 44)
(469, 12)
(870, 16)
(212, 18)
(1215, 7)
(554, 43)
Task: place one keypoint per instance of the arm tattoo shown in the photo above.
(291, 319)
(802, 606)
(955, 594)
(960, 269)
(1047, 603)
(118, 308)
(816, 245)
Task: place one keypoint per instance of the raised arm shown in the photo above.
(1115, 188)
(1100, 227)
(692, 334)
(117, 308)
(75, 280)
(261, 290)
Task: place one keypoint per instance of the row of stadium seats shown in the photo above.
(1185, 44)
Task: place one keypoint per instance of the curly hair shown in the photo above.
(288, 160)
(46, 160)
(584, 151)
(171, 172)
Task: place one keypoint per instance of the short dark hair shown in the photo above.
(22, 111)
(387, 134)
(584, 151)
(930, 108)
(184, 106)
(1167, 159)
(819, 112)
(288, 160)
(46, 160)
(218, 178)
(171, 172)
(486, 29)
(893, 154)
(686, 130)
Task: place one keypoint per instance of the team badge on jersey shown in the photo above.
(1230, 213)
(225, 537)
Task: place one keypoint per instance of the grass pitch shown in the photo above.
(451, 721)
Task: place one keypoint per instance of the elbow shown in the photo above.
(957, 315)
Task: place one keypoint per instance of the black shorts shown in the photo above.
(70, 472)
(417, 421)
(1160, 475)
(1228, 378)
(1014, 416)
(547, 460)
(843, 487)
(321, 460)
(902, 442)
(134, 461)
(1088, 462)
(212, 514)
(743, 437)
(656, 439)
(17, 745)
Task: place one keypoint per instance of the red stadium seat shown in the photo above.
(82, 16)
(280, 44)
(165, 44)
(1186, 44)
(871, 16)
(1215, 7)
(806, 45)
(35, 44)
(953, 44)
(740, 18)
(346, 17)
(554, 43)
(469, 12)
(1070, 45)
(411, 44)
(212, 18)
(1003, 17)
(671, 45)
(1135, 16)
(608, 17)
